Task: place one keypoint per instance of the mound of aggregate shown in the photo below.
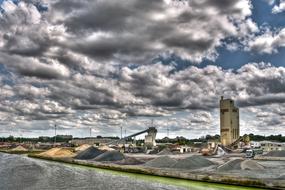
(161, 162)
(276, 153)
(58, 152)
(231, 165)
(19, 148)
(193, 162)
(129, 161)
(110, 156)
(251, 165)
(105, 147)
(165, 151)
(82, 147)
(89, 153)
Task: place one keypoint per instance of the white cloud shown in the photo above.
(268, 42)
(279, 8)
(70, 66)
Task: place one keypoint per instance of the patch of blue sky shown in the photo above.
(40, 6)
(262, 14)
(7, 77)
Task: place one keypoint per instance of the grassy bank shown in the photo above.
(243, 183)
(8, 151)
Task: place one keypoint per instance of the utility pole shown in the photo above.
(54, 133)
(90, 132)
(168, 121)
(121, 131)
(167, 131)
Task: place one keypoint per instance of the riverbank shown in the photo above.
(210, 177)
(8, 151)
(21, 172)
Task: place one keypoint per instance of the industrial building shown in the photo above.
(229, 122)
(268, 146)
(90, 141)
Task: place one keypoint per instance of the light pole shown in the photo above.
(54, 133)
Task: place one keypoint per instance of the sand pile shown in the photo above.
(89, 153)
(82, 147)
(251, 165)
(110, 156)
(165, 151)
(19, 148)
(193, 162)
(161, 162)
(58, 152)
(231, 165)
(276, 153)
(105, 147)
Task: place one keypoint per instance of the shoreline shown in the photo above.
(206, 177)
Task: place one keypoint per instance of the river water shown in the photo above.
(22, 173)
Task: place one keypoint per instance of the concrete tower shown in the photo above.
(229, 121)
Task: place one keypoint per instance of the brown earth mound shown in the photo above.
(58, 152)
(105, 147)
(19, 148)
(82, 147)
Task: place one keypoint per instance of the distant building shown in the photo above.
(64, 137)
(255, 144)
(229, 121)
(90, 141)
(268, 146)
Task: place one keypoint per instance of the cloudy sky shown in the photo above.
(101, 64)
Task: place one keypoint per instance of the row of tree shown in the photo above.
(177, 140)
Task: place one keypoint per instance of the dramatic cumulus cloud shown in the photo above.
(81, 64)
(268, 42)
(153, 90)
(136, 31)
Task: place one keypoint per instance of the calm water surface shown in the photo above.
(20, 172)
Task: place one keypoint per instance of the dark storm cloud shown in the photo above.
(33, 67)
(262, 100)
(145, 28)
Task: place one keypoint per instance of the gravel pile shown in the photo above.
(110, 156)
(105, 147)
(19, 148)
(193, 162)
(58, 152)
(276, 153)
(165, 151)
(89, 153)
(251, 165)
(161, 162)
(129, 161)
(231, 165)
(82, 147)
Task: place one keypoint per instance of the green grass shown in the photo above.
(8, 151)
